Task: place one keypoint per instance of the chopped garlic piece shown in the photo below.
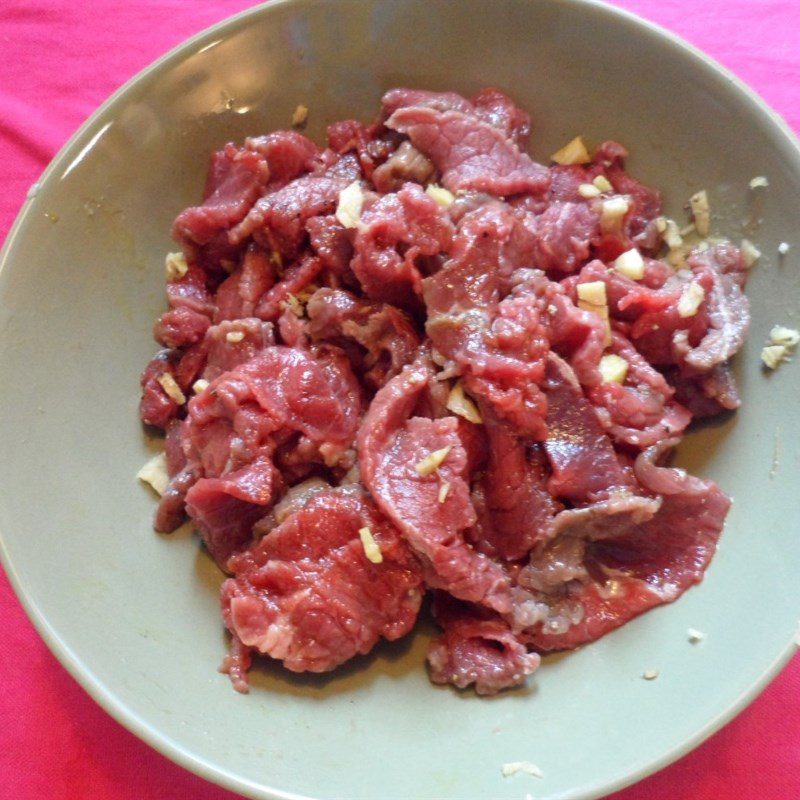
(788, 337)
(691, 298)
(650, 674)
(172, 389)
(351, 201)
(701, 212)
(444, 490)
(588, 191)
(573, 152)
(671, 233)
(460, 404)
(783, 248)
(300, 116)
(371, 549)
(154, 473)
(750, 253)
(234, 336)
(294, 305)
(443, 197)
(613, 368)
(687, 229)
(513, 767)
(772, 355)
(759, 182)
(695, 636)
(593, 292)
(613, 212)
(432, 461)
(175, 266)
(592, 297)
(630, 264)
(200, 385)
(603, 183)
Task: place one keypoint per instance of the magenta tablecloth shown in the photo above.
(58, 61)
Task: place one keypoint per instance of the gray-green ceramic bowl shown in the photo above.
(133, 615)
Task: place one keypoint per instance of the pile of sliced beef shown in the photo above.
(411, 400)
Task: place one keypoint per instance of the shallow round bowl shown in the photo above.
(134, 615)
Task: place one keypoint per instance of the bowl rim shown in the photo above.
(83, 674)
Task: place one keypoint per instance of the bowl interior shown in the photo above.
(134, 614)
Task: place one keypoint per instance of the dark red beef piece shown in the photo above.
(706, 394)
(191, 291)
(476, 649)
(180, 327)
(398, 98)
(499, 346)
(277, 221)
(390, 445)
(514, 508)
(386, 335)
(643, 563)
(640, 412)
(156, 407)
(645, 203)
(584, 464)
(307, 594)
(223, 354)
(240, 419)
(563, 234)
(295, 279)
(499, 110)
(470, 153)
(236, 179)
(395, 232)
(289, 154)
(225, 509)
(238, 295)
(331, 243)
(727, 307)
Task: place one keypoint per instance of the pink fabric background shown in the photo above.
(58, 61)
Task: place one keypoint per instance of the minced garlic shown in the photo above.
(443, 197)
(460, 404)
(432, 461)
(300, 116)
(650, 674)
(759, 182)
(788, 337)
(444, 490)
(691, 297)
(750, 253)
(701, 212)
(175, 266)
(613, 212)
(200, 385)
(774, 354)
(588, 191)
(592, 297)
(630, 264)
(169, 385)
(371, 549)
(154, 473)
(603, 183)
(574, 152)
(613, 368)
(351, 201)
(234, 336)
(695, 636)
(513, 767)
(783, 248)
